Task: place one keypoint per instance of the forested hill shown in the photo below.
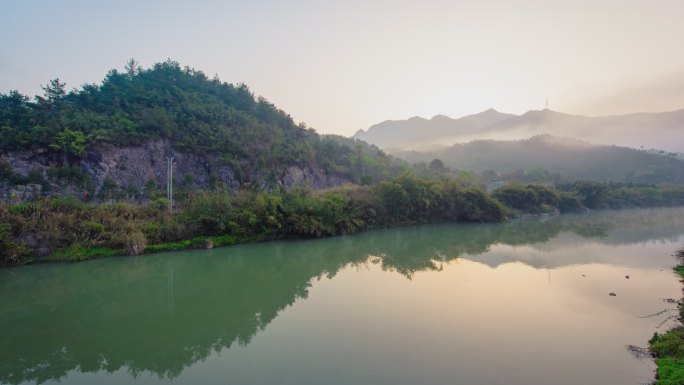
(168, 110)
(567, 157)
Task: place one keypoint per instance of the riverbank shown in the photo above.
(668, 348)
(55, 228)
(64, 229)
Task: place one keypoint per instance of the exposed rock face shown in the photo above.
(23, 192)
(132, 168)
(135, 166)
(315, 178)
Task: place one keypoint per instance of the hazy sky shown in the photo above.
(344, 65)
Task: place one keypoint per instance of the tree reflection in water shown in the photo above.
(163, 313)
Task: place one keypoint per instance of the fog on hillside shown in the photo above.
(661, 131)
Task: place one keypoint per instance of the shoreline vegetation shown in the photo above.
(667, 349)
(249, 173)
(65, 229)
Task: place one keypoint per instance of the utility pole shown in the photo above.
(169, 181)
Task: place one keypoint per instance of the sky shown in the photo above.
(340, 66)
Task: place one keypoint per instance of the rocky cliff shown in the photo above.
(130, 171)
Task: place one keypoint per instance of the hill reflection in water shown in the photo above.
(163, 313)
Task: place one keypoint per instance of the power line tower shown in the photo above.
(169, 181)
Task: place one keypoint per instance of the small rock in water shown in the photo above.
(612, 294)
(583, 275)
(627, 276)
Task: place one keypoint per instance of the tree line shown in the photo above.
(65, 229)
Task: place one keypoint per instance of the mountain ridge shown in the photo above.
(661, 130)
(570, 158)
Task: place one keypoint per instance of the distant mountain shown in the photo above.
(569, 157)
(663, 130)
(418, 132)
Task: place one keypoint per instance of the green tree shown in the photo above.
(592, 194)
(437, 165)
(132, 68)
(54, 91)
(70, 143)
(527, 198)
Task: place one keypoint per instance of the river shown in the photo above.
(524, 302)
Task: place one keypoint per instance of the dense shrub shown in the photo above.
(527, 198)
(67, 229)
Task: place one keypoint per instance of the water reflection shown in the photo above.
(164, 313)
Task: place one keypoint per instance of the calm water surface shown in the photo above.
(523, 302)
